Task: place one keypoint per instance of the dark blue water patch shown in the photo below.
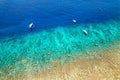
(17, 15)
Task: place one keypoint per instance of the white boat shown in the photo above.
(74, 21)
(31, 25)
(85, 32)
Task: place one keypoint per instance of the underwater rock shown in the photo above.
(23, 61)
(13, 45)
(11, 67)
(13, 59)
(49, 53)
(22, 41)
(96, 44)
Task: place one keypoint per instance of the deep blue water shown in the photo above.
(16, 15)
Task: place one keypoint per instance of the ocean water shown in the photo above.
(36, 50)
(15, 16)
(54, 36)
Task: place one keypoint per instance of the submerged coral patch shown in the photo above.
(33, 51)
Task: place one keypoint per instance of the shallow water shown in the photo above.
(54, 36)
(36, 50)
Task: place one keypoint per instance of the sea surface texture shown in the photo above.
(15, 16)
(55, 38)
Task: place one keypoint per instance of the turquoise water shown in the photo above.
(33, 51)
(54, 36)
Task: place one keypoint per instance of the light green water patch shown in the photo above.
(32, 51)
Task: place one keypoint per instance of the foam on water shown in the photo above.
(35, 50)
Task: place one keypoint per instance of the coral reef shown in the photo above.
(36, 50)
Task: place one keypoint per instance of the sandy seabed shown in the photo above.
(105, 65)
